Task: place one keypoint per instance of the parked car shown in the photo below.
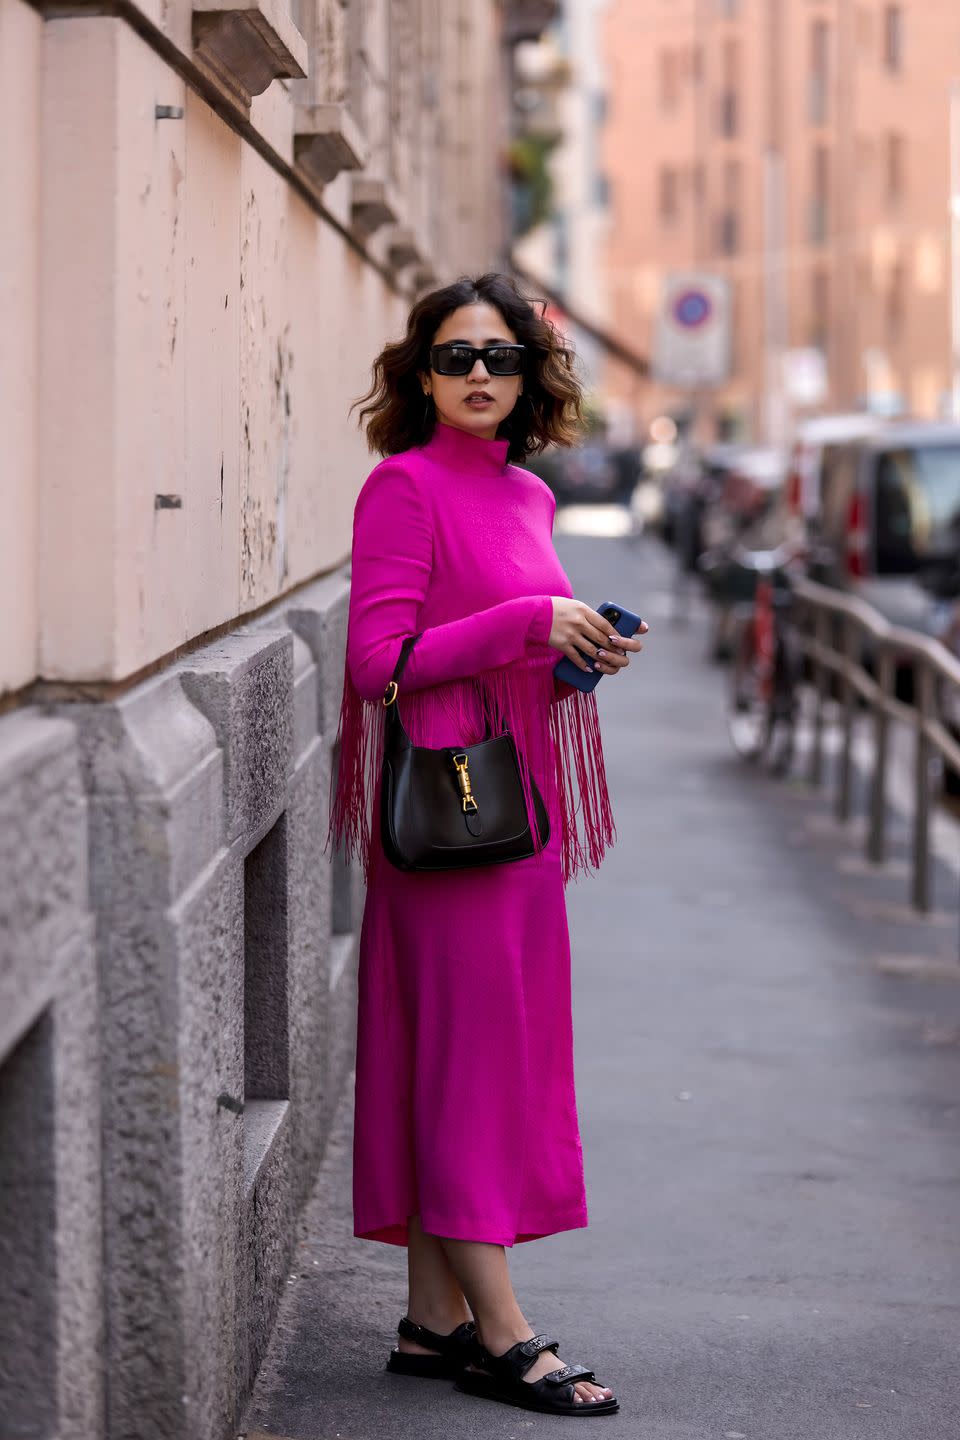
(887, 526)
(888, 510)
(813, 442)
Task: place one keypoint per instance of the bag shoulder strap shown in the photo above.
(402, 658)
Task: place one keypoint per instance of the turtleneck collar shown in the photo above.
(466, 452)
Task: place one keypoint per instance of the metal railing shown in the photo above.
(837, 632)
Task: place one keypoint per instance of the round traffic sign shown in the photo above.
(692, 308)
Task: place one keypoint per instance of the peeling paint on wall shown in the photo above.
(266, 401)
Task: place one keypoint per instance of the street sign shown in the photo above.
(691, 345)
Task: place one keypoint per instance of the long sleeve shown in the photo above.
(391, 564)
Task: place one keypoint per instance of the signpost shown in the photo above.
(692, 337)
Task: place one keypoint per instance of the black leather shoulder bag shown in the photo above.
(454, 807)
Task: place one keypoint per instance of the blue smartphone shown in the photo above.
(624, 622)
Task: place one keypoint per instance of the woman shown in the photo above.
(466, 1133)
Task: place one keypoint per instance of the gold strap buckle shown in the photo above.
(388, 697)
(460, 763)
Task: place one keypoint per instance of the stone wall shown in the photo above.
(177, 996)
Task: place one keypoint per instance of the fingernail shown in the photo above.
(601, 654)
(612, 639)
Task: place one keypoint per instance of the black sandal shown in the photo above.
(454, 1350)
(553, 1393)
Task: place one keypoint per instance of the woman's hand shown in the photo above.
(576, 627)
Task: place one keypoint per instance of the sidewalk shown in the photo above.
(769, 1088)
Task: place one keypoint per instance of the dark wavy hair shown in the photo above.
(549, 410)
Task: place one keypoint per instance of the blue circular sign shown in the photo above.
(692, 308)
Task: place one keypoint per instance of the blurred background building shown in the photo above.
(800, 150)
(213, 216)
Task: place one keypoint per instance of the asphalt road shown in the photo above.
(768, 1064)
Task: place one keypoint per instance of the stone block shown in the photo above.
(43, 859)
(305, 681)
(51, 1332)
(269, 1210)
(319, 613)
(243, 685)
(309, 927)
(175, 1071)
(168, 901)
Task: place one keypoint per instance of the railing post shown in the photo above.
(848, 693)
(820, 672)
(921, 816)
(877, 833)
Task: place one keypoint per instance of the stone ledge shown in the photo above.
(404, 247)
(262, 1123)
(244, 45)
(342, 953)
(372, 205)
(326, 141)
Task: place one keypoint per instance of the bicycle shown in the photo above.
(765, 671)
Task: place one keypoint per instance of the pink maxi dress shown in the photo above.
(465, 1108)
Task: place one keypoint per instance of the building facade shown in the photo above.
(214, 214)
(563, 96)
(799, 149)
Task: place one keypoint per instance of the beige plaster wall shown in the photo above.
(187, 325)
(20, 44)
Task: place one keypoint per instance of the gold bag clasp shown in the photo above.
(460, 763)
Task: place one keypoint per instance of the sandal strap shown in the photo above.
(515, 1362)
(419, 1334)
(569, 1375)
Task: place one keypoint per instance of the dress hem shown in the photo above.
(395, 1232)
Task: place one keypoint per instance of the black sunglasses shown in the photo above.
(457, 359)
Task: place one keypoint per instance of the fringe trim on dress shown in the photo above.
(522, 698)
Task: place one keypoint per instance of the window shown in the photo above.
(893, 37)
(918, 505)
(819, 222)
(727, 116)
(819, 326)
(728, 232)
(668, 195)
(669, 79)
(728, 112)
(819, 72)
(728, 222)
(895, 166)
(896, 302)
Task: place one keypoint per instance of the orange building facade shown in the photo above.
(801, 150)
